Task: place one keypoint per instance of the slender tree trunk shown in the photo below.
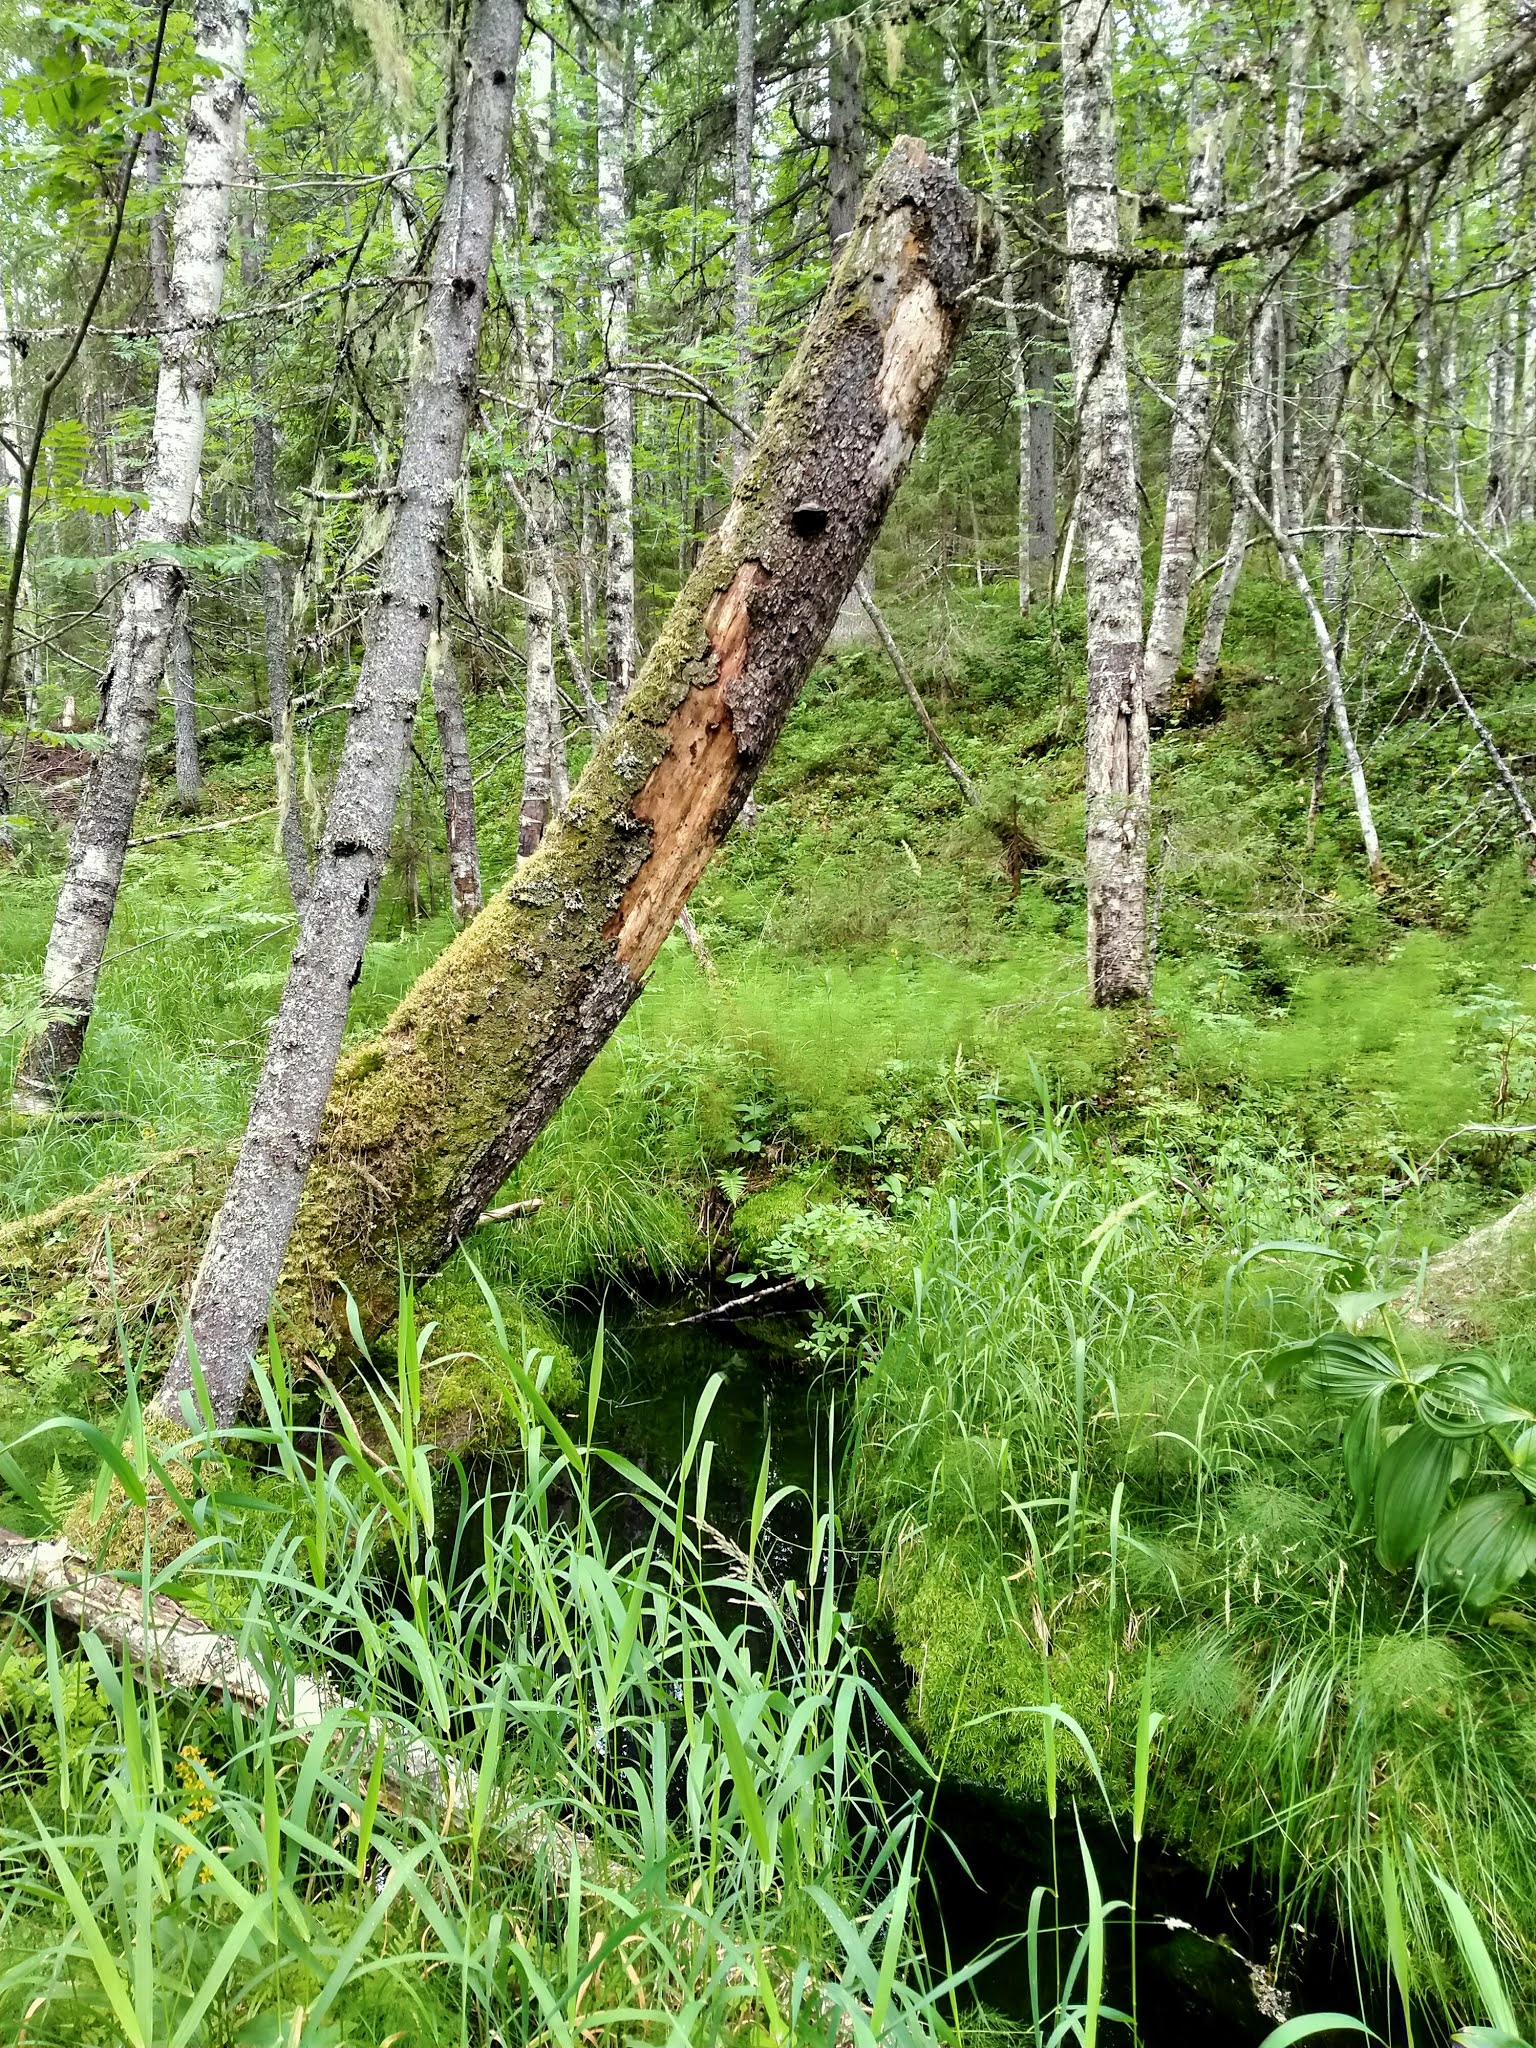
(1525, 463)
(1501, 416)
(618, 398)
(845, 129)
(250, 1235)
(189, 772)
(94, 870)
(25, 663)
(742, 303)
(1018, 366)
(545, 784)
(1191, 427)
(1117, 779)
(428, 1118)
(1250, 413)
(940, 747)
(1328, 653)
(1044, 287)
(458, 779)
(1425, 378)
(277, 637)
(1341, 246)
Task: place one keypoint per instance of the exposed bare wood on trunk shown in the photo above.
(94, 870)
(250, 1235)
(458, 780)
(936, 741)
(1191, 424)
(1117, 771)
(613, 299)
(426, 1120)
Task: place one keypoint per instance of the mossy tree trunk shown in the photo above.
(426, 1120)
(250, 1234)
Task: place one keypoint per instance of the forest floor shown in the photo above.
(1039, 1228)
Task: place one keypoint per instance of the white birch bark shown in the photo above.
(613, 301)
(545, 782)
(742, 299)
(240, 1268)
(26, 659)
(1525, 466)
(1018, 364)
(1117, 771)
(130, 688)
(1425, 376)
(1191, 426)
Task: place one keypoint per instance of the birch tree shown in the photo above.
(1117, 785)
(545, 783)
(1192, 420)
(426, 1120)
(741, 197)
(131, 685)
(1018, 368)
(250, 1234)
(458, 779)
(613, 308)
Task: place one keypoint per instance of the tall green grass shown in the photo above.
(1073, 1460)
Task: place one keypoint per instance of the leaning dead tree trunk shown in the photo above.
(613, 301)
(94, 871)
(545, 783)
(250, 1233)
(426, 1120)
(1117, 777)
(458, 779)
(1191, 428)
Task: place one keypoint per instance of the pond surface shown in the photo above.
(1199, 1948)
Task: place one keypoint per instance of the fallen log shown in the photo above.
(176, 1649)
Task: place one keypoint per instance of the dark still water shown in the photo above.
(1201, 1950)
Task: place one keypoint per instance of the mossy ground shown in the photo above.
(897, 977)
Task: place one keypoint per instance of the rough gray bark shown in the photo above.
(426, 1120)
(1117, 771)
(613, 305)
(741, 200)
(1018, 368)
(1191, 425)
(277, 640)
(845, 129)
(250, 1234)
(545, 784)
(131, 686)
(458, 780)
(189, 772)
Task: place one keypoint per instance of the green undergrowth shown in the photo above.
(1079, 1470)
